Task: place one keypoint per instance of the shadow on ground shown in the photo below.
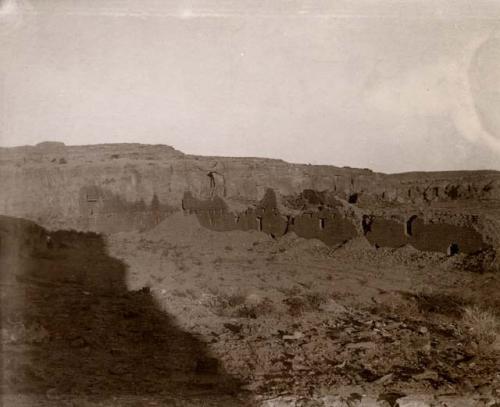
(71, 327)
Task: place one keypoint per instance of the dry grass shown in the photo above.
(262, 308)
(316, 300)
(402, 305)
(236, 305)
(479, 326)
(312, 301)
(438, 303)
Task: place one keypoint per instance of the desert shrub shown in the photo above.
(221, 304)
(479, 326)
(316, 299)
(484, 261)
(290, 292)
(214, 303)
(236, 305)
(178, 293)
(262, 308)
(296, 306)
(235, 299)
(402, 305)
(438, 302)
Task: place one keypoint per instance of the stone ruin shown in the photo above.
(331, 224)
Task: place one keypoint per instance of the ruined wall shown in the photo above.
(332, 225)
(437, 237)
(327, 225)
(215, 215)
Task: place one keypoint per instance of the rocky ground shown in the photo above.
(180, 315)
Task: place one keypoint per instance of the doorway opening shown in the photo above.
(321, 223)
(453, 249)
(259, 223)
(409, 225)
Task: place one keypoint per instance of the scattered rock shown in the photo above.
(361, 345)
(295, 336)
(234, 328)
(414, 401)
(333, 307)
(52, 394)
(390, 398)
(335, 401)
(386, 379)
(423, 330)
(427, 375)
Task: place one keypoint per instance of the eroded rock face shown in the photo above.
(109, 188)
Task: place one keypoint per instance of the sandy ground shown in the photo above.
(295, 316)
(180, 315)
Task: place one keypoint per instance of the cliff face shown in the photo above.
(130, 186)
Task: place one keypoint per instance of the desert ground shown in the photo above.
(184, 316)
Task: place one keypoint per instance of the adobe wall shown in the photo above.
(327, 225)
(439, 236)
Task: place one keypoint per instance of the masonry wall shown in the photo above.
(327, 225)
(435, 237)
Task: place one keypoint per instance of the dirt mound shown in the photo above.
(292, 245)
(359, 250)
(180, 227)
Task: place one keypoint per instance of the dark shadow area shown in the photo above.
(71, 327)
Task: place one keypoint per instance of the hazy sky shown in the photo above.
(391, 85)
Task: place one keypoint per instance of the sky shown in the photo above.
(394, 86)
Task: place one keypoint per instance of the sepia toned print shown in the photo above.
(287, 203)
